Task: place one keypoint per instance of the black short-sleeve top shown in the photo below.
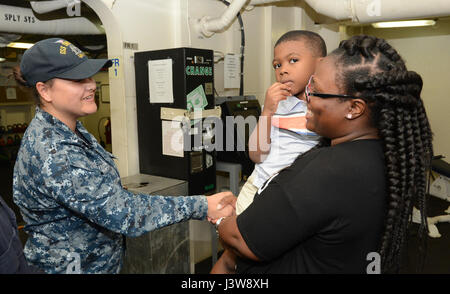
(323, 214)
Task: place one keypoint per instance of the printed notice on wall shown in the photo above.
(11, 93)
(172, 140)
(232, 67)
(160, 81)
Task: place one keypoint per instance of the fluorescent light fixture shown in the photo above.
(2, 59)
(20, 45)
(404, 23)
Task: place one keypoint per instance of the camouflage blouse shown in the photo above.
(71, 198)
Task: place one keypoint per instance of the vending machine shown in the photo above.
(174, 97)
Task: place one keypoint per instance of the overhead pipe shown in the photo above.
(19, 20)
(262, 2)
(254, 3)
(369, 11)
(52, 5)
(359, 11)
(336, 9)
(207, 25)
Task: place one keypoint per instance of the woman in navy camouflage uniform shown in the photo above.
(67, 186)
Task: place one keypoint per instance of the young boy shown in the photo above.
(280, 135)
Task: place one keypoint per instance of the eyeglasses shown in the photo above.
(308, 93)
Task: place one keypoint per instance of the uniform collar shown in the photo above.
(43, 115)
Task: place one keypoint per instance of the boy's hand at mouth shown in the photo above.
(275, 93)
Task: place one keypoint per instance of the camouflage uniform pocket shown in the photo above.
(82, 163)
(86, 179)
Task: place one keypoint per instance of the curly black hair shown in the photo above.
(368, 67)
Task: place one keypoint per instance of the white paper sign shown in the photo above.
(232, 68)
(172, 138)
(160, 81)
(11, 94)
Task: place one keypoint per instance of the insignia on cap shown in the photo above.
(75, 50)
(64, 42)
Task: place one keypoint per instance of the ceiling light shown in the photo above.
(2, 59)
(404, 23)
(20, 45)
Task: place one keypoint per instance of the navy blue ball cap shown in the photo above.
(58, 58)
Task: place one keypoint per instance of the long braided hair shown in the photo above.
(368, 67)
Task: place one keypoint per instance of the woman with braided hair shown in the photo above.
(353, 194)
(370, 68)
